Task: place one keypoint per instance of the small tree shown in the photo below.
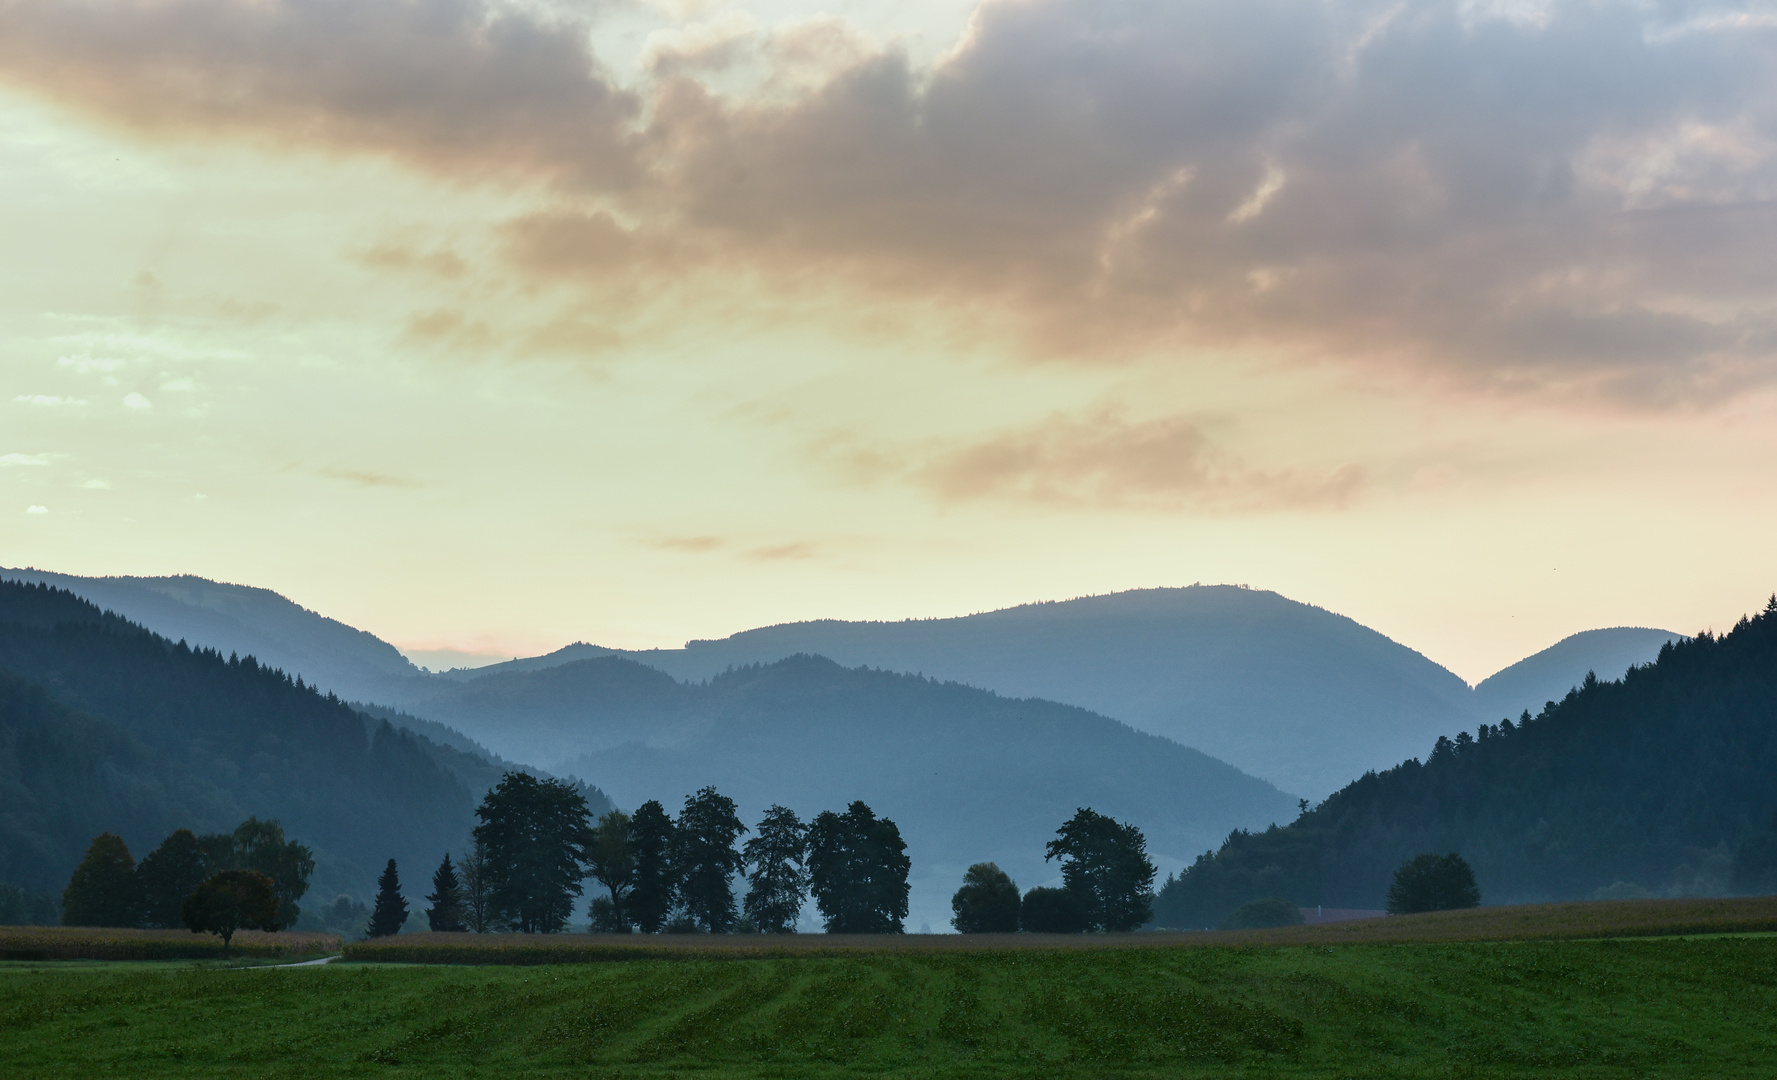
(1054, 911)
(232, 900)
(1433, 883)
(987, 903)
(779, 879)
(1263, 915)
(707, 861)
(166, 876)
(610, 858)
(858, 866)
(445, 915)
(262, 846)
(102, 891)
(477, 905)
(655, 891)
(390, 912)
(1105, 863)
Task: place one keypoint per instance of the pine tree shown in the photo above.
(446, 913)
(390, 913)
(655, 891)
(166, 876)
(779, 880)
(102, 891)
(707, 860)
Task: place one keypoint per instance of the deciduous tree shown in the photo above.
(167, 875)
(1433, 883)
(610, 856)
(1054, 911)
(1105, 863)
(655, 891)
(858, 868)
(778, 855)
(232, 900)
(707, 860)
(987, 903)
(535, 832)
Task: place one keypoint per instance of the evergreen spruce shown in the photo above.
(390, 912)
(445, 914)
(779, 878)
(655, 891)
(102, 891)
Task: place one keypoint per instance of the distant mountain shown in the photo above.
(967, 774)
(353, 664)
(1656, 783)
(1285, 691)
(143, 735)
(1547, 676)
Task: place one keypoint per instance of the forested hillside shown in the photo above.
(968, 775)
(241, 737)
(1660, 782)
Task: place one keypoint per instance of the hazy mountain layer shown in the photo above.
(252, 739)
(1659, 782)
(968, 775)
(1547, 676)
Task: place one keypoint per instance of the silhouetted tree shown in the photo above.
(166, 876)
(707, 861)
(261, 845)
(654, 892)
(778, 855)
(611, 859)
(1054, 911)
(445, 914)
(477, 897)
(233, 900)
(102, 891)
(987, 903)
(1433, 883)
(535, 832)
(1106, 864)
(858, 868)
(390, 912)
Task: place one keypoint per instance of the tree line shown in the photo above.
(1107, 884)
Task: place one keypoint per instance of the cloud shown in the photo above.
(1571, 194)
(47, 401)
(784, 552)
(134, 400)
(367, 478)
(689, 544)
(36, 509)
(9, 461)
(1102, 459)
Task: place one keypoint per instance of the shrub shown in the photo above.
(1054, 911)
(1433, 883)
(1263, 915)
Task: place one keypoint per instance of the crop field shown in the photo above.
(1598, 919)
(94, 943)
(1656, 1007)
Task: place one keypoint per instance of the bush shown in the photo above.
(1054, 911)
(1263, 915)
(1433, 883)
(987, 903)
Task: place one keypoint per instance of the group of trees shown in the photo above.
(1107, 884)
(536, 843)
(222, 882)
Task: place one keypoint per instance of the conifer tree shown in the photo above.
(102, 891)
(166, 876)
(655, 891)
(445, 914)
(390, 913)
(707, 860)
(778, 854)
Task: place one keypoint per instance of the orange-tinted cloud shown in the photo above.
(1572, 194)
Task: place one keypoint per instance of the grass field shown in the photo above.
(1666, 1007)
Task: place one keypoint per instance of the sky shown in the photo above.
(490, 325)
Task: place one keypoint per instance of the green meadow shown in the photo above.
(1670, 1006)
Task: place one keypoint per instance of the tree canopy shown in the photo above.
(534, 835)
(778, 855)
(1105, 863)
(858, 868)
(987, 903)
(102, 891)
(1433, 883)
(232, 900)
